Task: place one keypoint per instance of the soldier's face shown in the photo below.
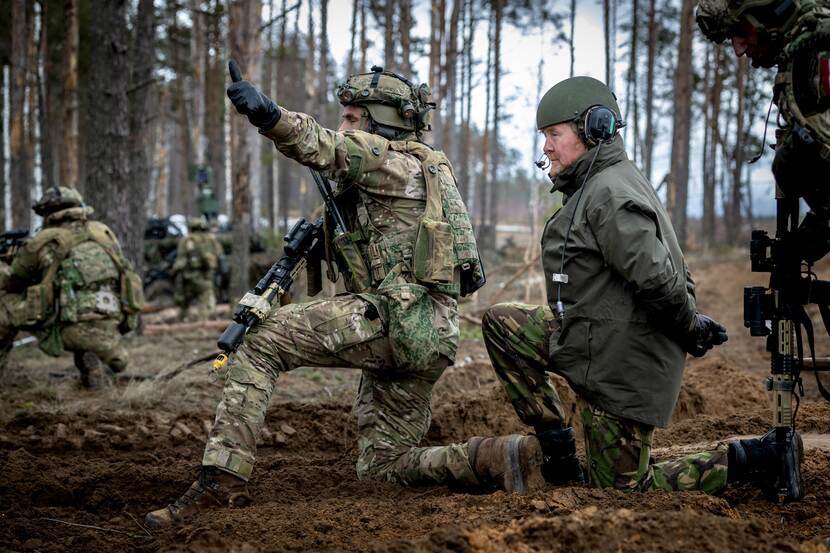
(562, 146)
(747, 42)
(354, 118)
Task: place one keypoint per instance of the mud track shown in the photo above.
(103, 459)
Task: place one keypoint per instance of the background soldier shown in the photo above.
(194, 272)
(408, 252)
(620, 314)
(71, 286)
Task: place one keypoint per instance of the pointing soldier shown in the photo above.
(408, 254)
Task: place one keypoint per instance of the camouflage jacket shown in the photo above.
(629, 295)
(382, 191)
(73, 270)
(197, 255)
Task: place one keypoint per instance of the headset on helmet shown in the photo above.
(598, 124)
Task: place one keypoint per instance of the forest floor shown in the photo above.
(71, 457)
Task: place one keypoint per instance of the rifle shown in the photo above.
(255, 305)
(10, 241)
(777, 312)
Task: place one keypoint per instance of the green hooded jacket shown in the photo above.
(629, 295)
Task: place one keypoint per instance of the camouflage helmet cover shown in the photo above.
(197, 223)
(390, 99)
(719, 19)
(568, 100)
(56, 199)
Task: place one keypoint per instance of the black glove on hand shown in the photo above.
(704, 334)
(261, 110)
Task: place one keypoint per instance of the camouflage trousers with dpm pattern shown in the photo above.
(392, 406)
(618, 450)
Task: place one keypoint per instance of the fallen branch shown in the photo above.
(98, 528)
(470, 319)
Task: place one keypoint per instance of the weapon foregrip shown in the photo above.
(231, 338)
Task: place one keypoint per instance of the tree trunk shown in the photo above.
(631, 110)
(364, 42)
(215, 75)
(69, 175)
(142, 98)
(389, 34)
(108, 188)
(679, 172)
(20, 180)
(711, 151)
(652, 52)
(350, 67)
(245, 18)
(571, 48)
(3, 182)
(483, 194)
(467, 183)
(733, 228)
(405, 24)
(493, 215)
(198, 46)
(450, 97)
(606, 18)
(42, 70)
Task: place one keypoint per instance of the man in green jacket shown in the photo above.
(620, 317)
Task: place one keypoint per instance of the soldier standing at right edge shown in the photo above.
(410, 251)
(794, 36)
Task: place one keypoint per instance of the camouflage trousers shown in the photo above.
(195, 297)
(392, 406)
(100, 337)
(618, 450)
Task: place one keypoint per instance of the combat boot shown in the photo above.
(771, 463)
(213, 489)
(510, 463)
(89, 367)
(560, 464)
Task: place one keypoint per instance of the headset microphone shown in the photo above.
(542, 163)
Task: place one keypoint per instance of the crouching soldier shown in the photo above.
(71, 287)
(197, 260)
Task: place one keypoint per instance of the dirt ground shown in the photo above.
(80, 469)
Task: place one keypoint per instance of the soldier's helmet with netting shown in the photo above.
(57, 198)
(396, 106)
(721, 19)
(195, 224)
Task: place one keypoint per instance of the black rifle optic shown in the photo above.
(778, 313)
(11, 240)
(255, 305)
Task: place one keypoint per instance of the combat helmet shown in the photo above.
(720, 19)
(396, 106)
(195, 224)
(580, 100)
(57, 198)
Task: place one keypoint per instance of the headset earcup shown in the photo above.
(600, 124)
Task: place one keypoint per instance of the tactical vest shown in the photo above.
(89, 278)
(802, 84)
(430, 254)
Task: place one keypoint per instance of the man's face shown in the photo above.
(562, 146)
(746, 41)
(354, 118)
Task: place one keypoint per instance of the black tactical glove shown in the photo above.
(704, 334)
(261, 110)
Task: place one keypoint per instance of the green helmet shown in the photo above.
(719, 19)
(197, 224)
(570, 99)
(396, 105)
(56, 199)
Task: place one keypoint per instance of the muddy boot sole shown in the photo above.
(525, 464)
